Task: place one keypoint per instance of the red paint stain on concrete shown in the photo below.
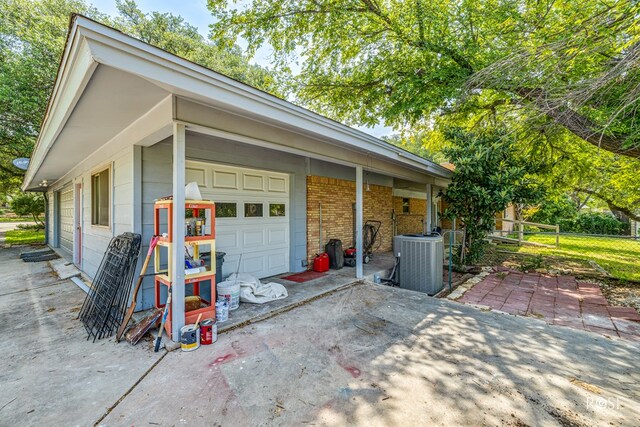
(355, 372)
(223, 359)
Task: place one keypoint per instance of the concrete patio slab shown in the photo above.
(299, 293)
(51, 374)
(333, 280)
(374, 355)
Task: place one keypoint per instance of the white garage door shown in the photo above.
(252, 216)
(66, 218)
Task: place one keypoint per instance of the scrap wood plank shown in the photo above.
(516, 242)
(137, 332)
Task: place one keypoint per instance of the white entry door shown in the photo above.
(252, 216)
(66, 219)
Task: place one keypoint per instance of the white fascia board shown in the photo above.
(118, 50)
(77, 68)
(194, 127)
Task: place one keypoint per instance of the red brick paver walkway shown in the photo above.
(560, 300)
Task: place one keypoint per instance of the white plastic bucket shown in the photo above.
(229, 290)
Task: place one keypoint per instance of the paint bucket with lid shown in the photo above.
(208, 332)
(229, 290)
(222, 310)
(189, 338)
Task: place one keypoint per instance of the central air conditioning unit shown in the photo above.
(420, 262)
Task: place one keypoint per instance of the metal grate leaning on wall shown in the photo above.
(105, 305)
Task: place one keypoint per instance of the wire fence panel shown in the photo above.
(613, 255)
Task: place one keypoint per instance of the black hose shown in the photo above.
(391, 280)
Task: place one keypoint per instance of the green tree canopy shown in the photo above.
(24, 204)
(173, 34)
(567, 65)
(32, 38)
(490, 174)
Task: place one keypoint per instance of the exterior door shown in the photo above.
(252, 216)
(77, 239)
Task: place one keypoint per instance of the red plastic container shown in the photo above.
(321, 263)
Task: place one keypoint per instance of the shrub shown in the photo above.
(552, 210)
(25, 204)
(488, 176)
(594, 223)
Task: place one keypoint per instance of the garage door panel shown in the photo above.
(278, 185)
(197, 175)
(253, 264)
(277, 236)
(227, 239)
(253, 238)
(278, 262)
(262, 241)
(225, 179)
(253, 182)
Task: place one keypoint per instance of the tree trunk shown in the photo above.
(612, 204)
(577, 124)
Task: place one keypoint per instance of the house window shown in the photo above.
(252, 210)
(405, 205)
(100, 198)
(276, 209)
(226, 210)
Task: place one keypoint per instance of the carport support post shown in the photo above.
(177, 249)
(429, 209)
(359, 245)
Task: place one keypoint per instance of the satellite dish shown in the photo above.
(21, 163)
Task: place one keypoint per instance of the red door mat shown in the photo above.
(305, 276)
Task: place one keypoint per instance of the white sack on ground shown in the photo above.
(255, 292)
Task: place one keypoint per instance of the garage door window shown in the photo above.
(253, 210)
(100, 198)
(277, 209)
(226, 210)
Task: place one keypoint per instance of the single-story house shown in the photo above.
(128, 123)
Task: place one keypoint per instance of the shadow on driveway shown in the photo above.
(374, 355)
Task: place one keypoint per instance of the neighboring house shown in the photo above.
(504, 228)
(129, 123)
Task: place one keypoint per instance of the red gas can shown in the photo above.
(321, 263)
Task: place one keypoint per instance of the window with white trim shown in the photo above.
(100, 198)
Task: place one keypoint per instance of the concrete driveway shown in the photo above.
(51, 375)
(373, 355)
(366, 355)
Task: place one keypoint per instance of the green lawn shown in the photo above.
(22, 237)
(620, 257)
(16, 219)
